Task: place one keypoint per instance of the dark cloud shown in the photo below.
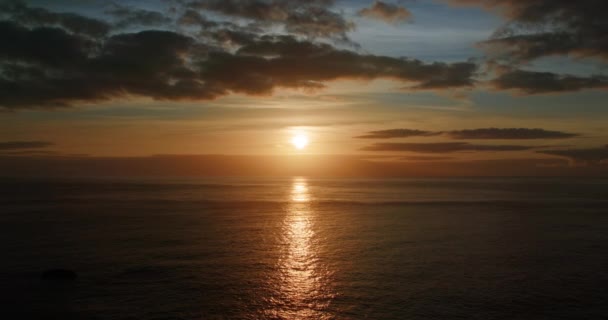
(57, 59)
(509, 133)
(283, 61)
(548, 27)
(396, 133)
(124, 65)
(439, 77)
(387, 12)
(442, 147)
(532, 82)
(542, 28)
(46, 66)
(581, 156)
(515, 49)
(311, 18)
(20, 145)
(483, 133)
(35, 17)
(47, 46)
(128, 16)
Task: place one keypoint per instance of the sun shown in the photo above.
(300, 141)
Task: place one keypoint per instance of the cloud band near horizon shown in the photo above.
(473, 134)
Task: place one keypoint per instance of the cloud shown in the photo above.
(543, 28)
(51, 59)
(50, 67)
(67, 72)
(442, 147)
(396, 133)
(20, 145)
(44, 46)
(194, 18)
(532, 82)
(581, 156)
(548, 27)
(311, 18)
(483, 133)
(128, 16)
(509, 133)
(286, 62)
(283, 61)
(36, 17)
(387, 12)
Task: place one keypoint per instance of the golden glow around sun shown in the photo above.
(300, 141)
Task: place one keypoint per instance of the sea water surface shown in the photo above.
(301, 248)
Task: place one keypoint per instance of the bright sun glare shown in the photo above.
(300, 141)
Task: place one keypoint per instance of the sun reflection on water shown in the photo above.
(304, 283)
(299, 191)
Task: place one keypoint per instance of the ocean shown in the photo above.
(304, 248)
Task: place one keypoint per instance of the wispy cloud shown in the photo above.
(19, 145)
(473, 134)
(443, 147)
(531, 82)
(509, 134)
(397, 133)
(584, 156)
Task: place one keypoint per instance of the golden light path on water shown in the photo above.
(304, 283)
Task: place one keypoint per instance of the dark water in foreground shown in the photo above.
(306, 249)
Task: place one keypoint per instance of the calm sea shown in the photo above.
(302, 248)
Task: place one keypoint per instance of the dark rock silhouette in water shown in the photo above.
(59, 275)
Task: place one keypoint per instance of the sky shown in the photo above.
(376, 88)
